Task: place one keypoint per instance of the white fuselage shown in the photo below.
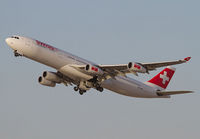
(62, 61)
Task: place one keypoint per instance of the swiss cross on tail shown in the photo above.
(163, 78)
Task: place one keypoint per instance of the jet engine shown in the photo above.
(136, 67)
(45, 82)
(52, 76)
(93, 70)
(49, 79)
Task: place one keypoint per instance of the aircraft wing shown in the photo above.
(135, 68)
(166, 93)
(123, 68)
(153, 66)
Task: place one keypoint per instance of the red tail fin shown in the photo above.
(162, 79)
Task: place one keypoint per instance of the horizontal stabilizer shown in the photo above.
(166, 93)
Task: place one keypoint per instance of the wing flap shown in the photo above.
(166, 93)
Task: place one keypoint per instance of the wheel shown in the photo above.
(16, 54)
(76, 88)
(81, 92)
(100, 89)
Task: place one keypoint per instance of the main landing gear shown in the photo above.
(81, 92)
(98, 87)
(84, 86)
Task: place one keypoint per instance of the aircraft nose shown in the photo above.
(8, 41)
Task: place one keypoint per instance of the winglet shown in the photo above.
(187, 59)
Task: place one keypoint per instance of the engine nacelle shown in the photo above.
(136, 67)
(51, 76)
(45, 82)
(93, 70)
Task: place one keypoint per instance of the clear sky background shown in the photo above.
(106, 32)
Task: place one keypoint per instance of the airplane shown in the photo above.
(73, 70)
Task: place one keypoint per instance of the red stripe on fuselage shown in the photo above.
(46, 45)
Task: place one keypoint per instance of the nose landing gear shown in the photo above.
(16, 54)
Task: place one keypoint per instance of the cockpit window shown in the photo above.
(15, 37)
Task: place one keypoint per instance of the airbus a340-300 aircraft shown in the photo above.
(73, 70)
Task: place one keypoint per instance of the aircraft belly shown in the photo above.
(128, 87)
(74, 73)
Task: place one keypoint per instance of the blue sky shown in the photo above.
(106, 32)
